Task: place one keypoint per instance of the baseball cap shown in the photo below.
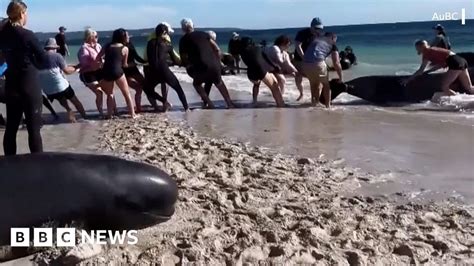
(317, 24)
(170, 29)
(438, 27)
(62, 28)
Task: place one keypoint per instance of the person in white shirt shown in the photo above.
(280, 59)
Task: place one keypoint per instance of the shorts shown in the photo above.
(202, 75)
(316, 72)
(299, 65)
(92, 77)
(131, 71)
(67, 94)
(455, 62)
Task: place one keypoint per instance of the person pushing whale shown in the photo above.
(441, 58)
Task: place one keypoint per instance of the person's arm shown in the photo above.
(39, 54)
(133, 53)
(299, 49)
(101, 54)
(68, 70)
(433, 69)
(336, 61)
(174, 56)
(419, 72)
(125, 52)
(216, 49)
(183, 52)
(67, 49)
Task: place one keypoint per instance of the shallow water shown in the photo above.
(426, 154)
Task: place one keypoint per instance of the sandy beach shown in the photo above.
(241, 204)
(291, 186)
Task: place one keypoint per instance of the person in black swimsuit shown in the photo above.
(135, 79)
(115, 58)
(259, 69)
(201, 56)
(24, 55)
(158, 50)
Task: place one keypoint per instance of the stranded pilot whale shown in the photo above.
(389, 89)
(101, 192)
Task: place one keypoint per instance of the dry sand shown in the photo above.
(240, 204)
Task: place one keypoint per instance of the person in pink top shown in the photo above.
(91, 73)
(440, 58)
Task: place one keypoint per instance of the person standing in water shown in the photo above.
(441, 40)
(278, 56)
(316, 69)
(115, 59)
(302, 41)
(24, 55)
(233, 49)
(55, 85)
(61, 41)
(158, 50)
(135, 79)
(442, 58)
(201, 56)
(259, 70)
(90, 72)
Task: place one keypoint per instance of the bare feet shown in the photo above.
(300, 97)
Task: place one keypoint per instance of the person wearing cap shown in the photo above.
(316, 69)
(233, 49)
(201, 57)
(441, 40)
(24, 55)
(303, 39)
(441, 58)
(54, 84)
(61, 41)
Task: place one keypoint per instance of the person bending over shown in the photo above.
(201, 57)
(278, 56)
(441, 58)
(259, 70)
(55, 85)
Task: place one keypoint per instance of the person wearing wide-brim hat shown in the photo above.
(441, 40)
(54, 84)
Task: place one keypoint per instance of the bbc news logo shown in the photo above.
(66, 237)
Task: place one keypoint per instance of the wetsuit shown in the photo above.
(113, 62)
(61, 42)
(257, 65)
(24, 55)
(158, 71)
(199, 58)
(133, 56)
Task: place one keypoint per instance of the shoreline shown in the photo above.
(240, 203)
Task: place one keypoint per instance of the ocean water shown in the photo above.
(382, 49)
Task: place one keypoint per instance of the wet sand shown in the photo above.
(425, 156)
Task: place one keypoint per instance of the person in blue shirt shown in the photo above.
(3, 68)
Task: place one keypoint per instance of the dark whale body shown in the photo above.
(101, 192)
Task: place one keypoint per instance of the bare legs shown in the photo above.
(271, 81)
(466, 81)
(70, 113)
(108, 87)
(449, 79)
(205, 97)
(299, 85)
(99, 97)
(136, 82)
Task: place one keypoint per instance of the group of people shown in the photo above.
(33, 69)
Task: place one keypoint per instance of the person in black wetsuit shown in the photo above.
(135, 79)
(158, 50)
(201, 56)
(116, 57)
(259, 69)
(233, 49)
(24, 55)
(441, 40)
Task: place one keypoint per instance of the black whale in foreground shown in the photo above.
(389, 89)
(101, 192)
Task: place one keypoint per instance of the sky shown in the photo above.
(48, 15)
